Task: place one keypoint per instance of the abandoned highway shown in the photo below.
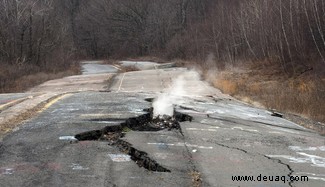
(96, 129)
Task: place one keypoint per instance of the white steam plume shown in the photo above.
(164, 103)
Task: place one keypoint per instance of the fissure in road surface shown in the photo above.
(145, 122)
(265, 156)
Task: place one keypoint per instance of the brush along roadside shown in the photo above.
(298, 98)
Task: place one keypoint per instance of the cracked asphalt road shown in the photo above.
(225, 138)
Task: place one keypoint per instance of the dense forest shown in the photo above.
(48, 34)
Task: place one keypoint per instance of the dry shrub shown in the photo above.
(110, 61)
(185, 63)
(148, 58)
(18, 78)
(255, 88)
(129, 68)
(303, 95)
(227, 86)
(297, 97)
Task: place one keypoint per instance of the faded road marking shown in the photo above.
(8, 104)
(25, 113)
(53, 101)
(317, 178)
(119, 88)
(78, 167)
(101, 115)
(275, 132)
(161, 155)
(116, 67)
(6, 171)
(240, 128)
(11, 103)
(313, 159)
(180, 145)
(92, 115)
(120, 157)
(196, 129)
(312, 175)
(67, 138)
(298, 148)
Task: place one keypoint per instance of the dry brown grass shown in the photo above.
(110, 61)
(128, 69)
(14, 78)
(185, 63)
(303, 95)
(227, 86)
(147, 58)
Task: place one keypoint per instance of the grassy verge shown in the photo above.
(267, 86)
(19, 78)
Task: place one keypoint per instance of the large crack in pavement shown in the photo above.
(195, 174)
(141, 158)
(146, 122)
(287, 165)
(291, 171)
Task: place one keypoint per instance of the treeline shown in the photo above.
(288, 32)
(34, 31)
(35, 37)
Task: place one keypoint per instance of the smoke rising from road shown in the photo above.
(164, 103)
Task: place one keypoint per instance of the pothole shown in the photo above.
(146, 122)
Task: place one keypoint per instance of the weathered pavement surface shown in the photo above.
(225, 138)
